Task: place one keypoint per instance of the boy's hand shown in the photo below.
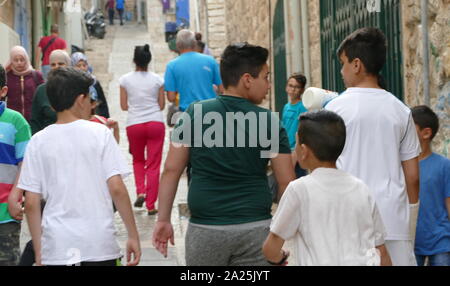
(112, 123)
(16, 211)
(133, 248)
(161, 235)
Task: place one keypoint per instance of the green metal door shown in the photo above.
(339, 18)
(279, 54)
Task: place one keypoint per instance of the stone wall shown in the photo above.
(439, 29)
(314, 43)
(7, 14)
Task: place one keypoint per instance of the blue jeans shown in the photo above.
(442, 259)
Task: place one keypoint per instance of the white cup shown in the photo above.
(316, 98)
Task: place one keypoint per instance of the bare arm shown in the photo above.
(272, 248)
(411, 170)
(447, 202)
(176, 162)
(122, 202)
(123, 99)
(33, 213)
(162, 98)
(385, 257)
(171, 96)
(15, 199)
(284, 172)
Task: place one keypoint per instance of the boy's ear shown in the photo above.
(3, 92)
(246, 80)
(357, 65)
(426, 133)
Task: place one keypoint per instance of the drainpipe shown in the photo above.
(297, 64)
(426, 55)
(287, 33)
(206, 35)
(197, 16)
(305, 40)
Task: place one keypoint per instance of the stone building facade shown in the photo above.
(7, 14)
(227, 21)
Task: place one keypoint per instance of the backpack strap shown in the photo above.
(47, 46)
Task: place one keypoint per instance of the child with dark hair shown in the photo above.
(142, 95)
(295, 88)
(330, 214)
(14, 136)
(433, 224)
(229, 196)
(382, 147)
(77, 167)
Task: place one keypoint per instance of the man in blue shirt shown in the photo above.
(120, 6)
(433, 224)
(192, 75)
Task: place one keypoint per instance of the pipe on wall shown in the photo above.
(426, 55)
(305, 39)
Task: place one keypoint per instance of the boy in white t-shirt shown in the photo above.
(76, 166)
(330, 214)
(382, 146)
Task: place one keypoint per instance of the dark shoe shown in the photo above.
(153, 212)
(139, 202)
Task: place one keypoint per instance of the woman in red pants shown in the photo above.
(142, 95)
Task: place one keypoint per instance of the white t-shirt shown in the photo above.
(381, 134)
(69, 165)
(332, 218)
(143, 94)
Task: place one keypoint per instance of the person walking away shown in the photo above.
(433, 224)
(42, 114)
(229, 196)
(14, 136)
(77, 225)
(330, 214)
(80, 61)
(46, 46)
(110, 8)
(120, 6)
(22, 82)
(142, 95)
(382, 146)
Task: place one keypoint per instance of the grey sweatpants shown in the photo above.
(231, 245)
(9, 244)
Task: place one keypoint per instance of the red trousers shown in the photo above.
(146, 145)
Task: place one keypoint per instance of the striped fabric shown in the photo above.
(14, 136)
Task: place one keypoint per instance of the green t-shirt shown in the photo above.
(229, 182)
(42, 114)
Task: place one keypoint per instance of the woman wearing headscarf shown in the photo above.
(80, 61)
(22, 81)
(42, 114)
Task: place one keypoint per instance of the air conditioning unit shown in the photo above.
(8, 41)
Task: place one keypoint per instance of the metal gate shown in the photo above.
(279, 54)
(339, 18)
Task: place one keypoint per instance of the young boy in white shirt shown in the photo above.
(330, 214)
(382, 146)
(76, 166)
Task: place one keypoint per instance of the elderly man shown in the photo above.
(192, 75)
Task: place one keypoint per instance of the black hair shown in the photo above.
(239, 59)
(370, 46)
(425, 117)
(300, 78)
(64, 85)
(198, 36)
(142, 56)
(324, 133)
(201, 45)
(2, 77)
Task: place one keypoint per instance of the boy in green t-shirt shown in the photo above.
(229, 142)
